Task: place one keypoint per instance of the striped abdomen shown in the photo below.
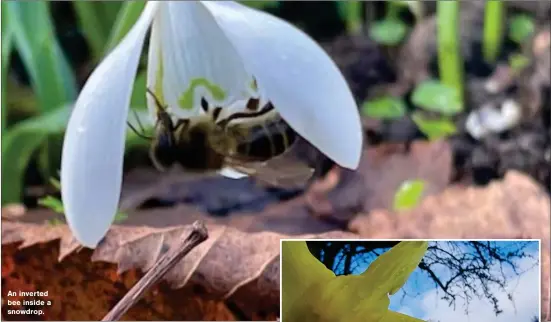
(266, 140)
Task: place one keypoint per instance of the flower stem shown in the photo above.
(450, 63)
(493, 30)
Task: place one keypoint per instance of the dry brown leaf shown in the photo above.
(343, 193)
(232, 266)
(516, 207)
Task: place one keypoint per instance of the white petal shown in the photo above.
(195, 55)
(231, 173)
(294, 72)
(92, 159)
(154, 69)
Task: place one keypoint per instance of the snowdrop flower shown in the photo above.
(222, 51)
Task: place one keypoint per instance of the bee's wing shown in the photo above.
(280, 171)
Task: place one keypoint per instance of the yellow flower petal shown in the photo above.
(392, 316)
(391, 270)
(301, 271)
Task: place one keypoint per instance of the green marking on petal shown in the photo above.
(254, 85)
(158, 87)
(186, 100)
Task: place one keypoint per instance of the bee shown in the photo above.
(256, 142)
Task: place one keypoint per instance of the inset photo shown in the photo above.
(410, 280)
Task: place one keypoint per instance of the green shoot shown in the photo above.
(384, 108)
(493, 30)
(408, 195)
(351, 12)
(450, 63)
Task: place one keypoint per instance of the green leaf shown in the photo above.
(20, 142)
(521, 28)
(260, 5)
(7, 46)
(90, 16)
(434, 128)
(55, 183)
(518, 62)
(56, 204)
(384, 108)
(52, 203)
(408, 195)
(438, 97)
(7, 37)
(51, 76)
(388, 32)
(127, 16)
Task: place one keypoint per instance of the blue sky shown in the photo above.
(423, 299)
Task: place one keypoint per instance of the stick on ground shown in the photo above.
(198, 234)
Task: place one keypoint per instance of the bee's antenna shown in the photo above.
(159, 105)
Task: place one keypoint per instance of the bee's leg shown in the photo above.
(142, 134)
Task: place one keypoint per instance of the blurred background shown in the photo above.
(454, 98)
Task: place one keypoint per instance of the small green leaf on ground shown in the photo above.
(389, 32)
(435, 96)
(120, 216)
(384, 108)
(518, 62)
(55, 222)
(521, 28)
(56, 205)
(434, 128)
(52, 203)
(409, 194)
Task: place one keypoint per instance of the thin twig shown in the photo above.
(169, 260)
